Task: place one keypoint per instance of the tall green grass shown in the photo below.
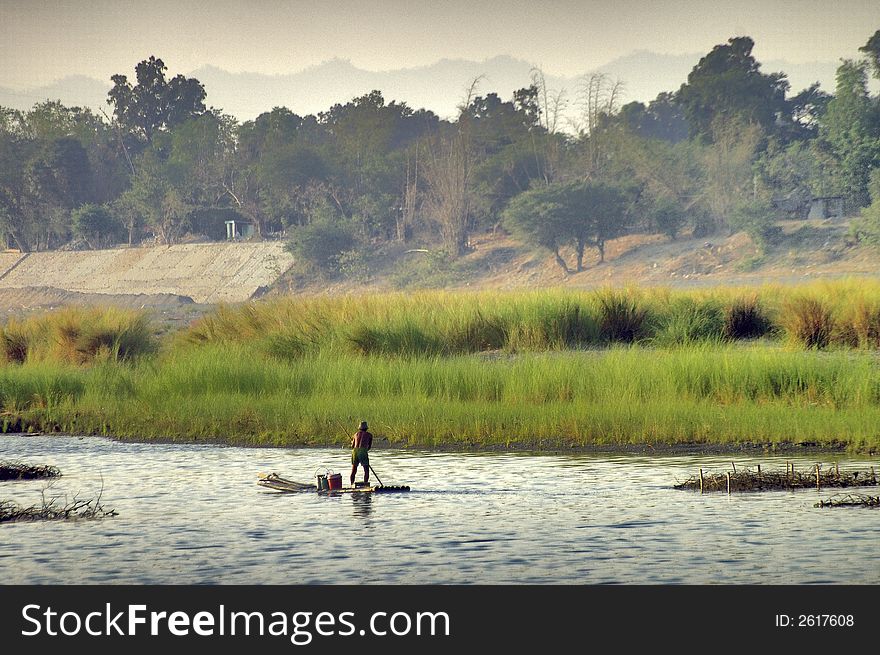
(443, 323)
(537, 368)
(622, 395)
(78, 336)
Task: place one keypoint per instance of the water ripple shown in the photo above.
(193, 514)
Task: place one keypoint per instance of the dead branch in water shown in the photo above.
(22, 471)
(741, 479)
(850, 500)
(53, 509)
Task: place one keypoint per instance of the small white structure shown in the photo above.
(239, 230)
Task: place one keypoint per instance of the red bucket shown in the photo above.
(334, 480)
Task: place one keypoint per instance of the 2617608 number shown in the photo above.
(825, 620)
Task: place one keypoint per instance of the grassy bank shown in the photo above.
(710, 394)
(541, 370)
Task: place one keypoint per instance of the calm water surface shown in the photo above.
(194, 514)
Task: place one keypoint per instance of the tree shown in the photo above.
(200, 157)
(756, 218)
(548, 144)
(807, 109)
(539, 217)
(154, 201)
(323, 240)
(729, 176)
(792, 174)
(851, 128)
(662, 118)
(448, 172)
(155, 103)
(509, 148)
(577, 213)
(16, 218)
(97, 225)
(57, 178)
(668, 217)
(449, 175)
(600, 101)
(727, 84)
(603, 211)
(60, 173)
(872, 52)
(867, 227)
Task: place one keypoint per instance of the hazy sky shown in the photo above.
(44, 40)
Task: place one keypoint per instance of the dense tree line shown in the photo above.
(731, 149)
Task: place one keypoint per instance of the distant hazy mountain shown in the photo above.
(73, 91)
(438, 87)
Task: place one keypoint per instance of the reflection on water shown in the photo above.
(194, 514)
(362, 505)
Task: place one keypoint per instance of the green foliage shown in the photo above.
(38, 386)
(321, 243)
(701, 394)
(687, 160)
(97, 225)
(687, 321)
(405, 338)
(851, 130)
(79, 336)
(540, 217)
(793, 174)
(730, 177)
(727, 84)
(757, 220)
(580, 213)
(668, 217)
(872, 52)
(867, 227)
(155, 103)
(487, 369)
(354, 265)
(434, 269)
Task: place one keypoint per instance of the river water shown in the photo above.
(193, 514)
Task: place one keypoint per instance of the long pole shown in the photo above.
(377, 476)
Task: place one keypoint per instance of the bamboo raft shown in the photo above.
(277, 483)
(758, 480)
(850, 500)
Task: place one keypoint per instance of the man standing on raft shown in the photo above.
(361, 442)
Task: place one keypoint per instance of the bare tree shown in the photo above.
(449, 176)
(552, 103)
(407, 214)
(448, 173)
(728, 163)
(600, 98)
(551, 107)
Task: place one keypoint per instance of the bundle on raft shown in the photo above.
(21, 471)
(850, 500)
(51, 511)
(762, 480)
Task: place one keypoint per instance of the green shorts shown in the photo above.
(360, 456)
